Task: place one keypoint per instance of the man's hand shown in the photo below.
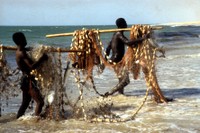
(105, 57)
(44, 57)
(106, 94)
(148, 35)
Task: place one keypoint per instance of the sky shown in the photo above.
(97, 12)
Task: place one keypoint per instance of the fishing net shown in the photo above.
(83, 65)
(143, 56)
(59, 84)
(8, 80)
(50, 79)
(87, 40)
(70, 91)
(48, 76)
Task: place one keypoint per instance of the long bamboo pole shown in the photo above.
(52, 49)
(8, 47)
(100, 31)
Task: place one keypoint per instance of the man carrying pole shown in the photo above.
(117, 45)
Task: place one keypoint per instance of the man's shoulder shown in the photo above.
(21, 53)
(118, 33)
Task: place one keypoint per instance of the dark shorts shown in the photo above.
(26, 81)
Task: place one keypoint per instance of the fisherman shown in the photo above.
(117, 45)
(28, 83)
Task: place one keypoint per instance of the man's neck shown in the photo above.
(21, 48)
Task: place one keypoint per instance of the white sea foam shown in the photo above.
(171, 57)
(27, 117)
(25, 30)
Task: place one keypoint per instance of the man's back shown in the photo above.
(118, 46)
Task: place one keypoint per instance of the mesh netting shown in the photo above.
(141, 57)
(70, 90)
(9, 80)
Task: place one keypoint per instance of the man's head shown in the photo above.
(121, 23)
(19, 39)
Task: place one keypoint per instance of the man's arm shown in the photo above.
(131, 42)
(30, 63)
(26, 59)
(42, 59)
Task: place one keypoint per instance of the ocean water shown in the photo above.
(178, 76)
(36, 34)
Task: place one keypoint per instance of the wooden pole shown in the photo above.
(52, 49)
(100, 31)
(8, 47)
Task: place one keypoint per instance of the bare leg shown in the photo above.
(123, 81)
(36, 95)
(26, 98)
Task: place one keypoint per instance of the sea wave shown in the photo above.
(182, 46)
(25, 30)
(183, 56)
(178, 34)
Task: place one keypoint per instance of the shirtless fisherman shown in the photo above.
(117, 45)
(28, 82)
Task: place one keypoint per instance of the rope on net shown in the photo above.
(84, 62)
(51, 80)
(145, 52)
(6, 80)
(86, 40)
(50, 76)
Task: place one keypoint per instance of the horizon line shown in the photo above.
(170, 23)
